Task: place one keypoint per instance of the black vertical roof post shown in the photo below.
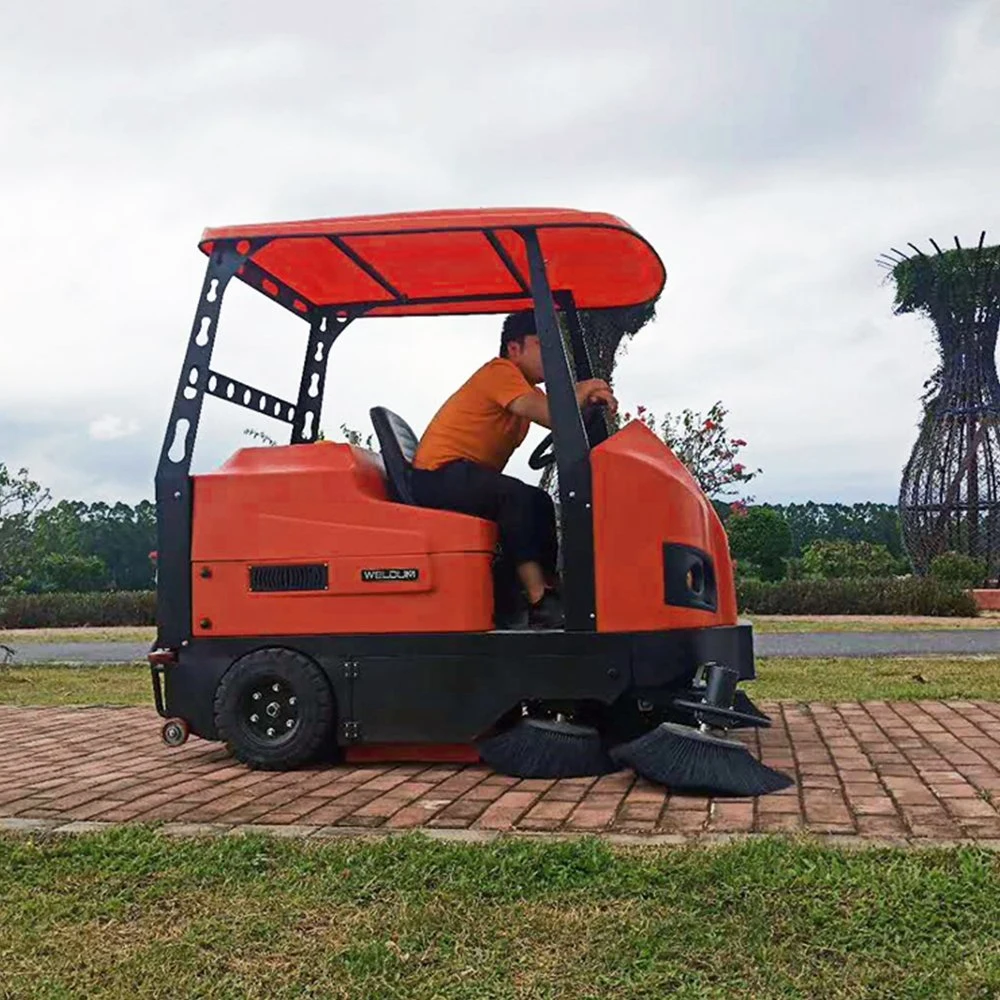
(173, 480)
(326, 326)
(572, 451)
(581, 356)
(597, 427)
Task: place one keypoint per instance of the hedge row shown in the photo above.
(903, 596)
(121, 607)
(893, 596)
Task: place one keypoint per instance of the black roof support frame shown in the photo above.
(501, 252)
(352, 255)
(198, 379)
(326, 326)
(572, 451)
(581, 356)
(173, 479)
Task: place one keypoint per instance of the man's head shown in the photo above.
(519, 342)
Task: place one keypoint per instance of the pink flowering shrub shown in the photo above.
(706, 447)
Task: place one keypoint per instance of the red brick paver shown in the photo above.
(898, 770)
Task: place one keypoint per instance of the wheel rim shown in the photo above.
(269, 711)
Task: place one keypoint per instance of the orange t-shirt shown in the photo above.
(475, 423)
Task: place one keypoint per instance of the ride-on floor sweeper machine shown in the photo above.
(307, 607)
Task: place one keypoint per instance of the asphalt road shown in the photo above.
(958, 643)
(79, 652)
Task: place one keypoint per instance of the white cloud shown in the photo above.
(111, 428)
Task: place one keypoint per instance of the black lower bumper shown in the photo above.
(452, 687)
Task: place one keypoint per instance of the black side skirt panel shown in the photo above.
(452, 688)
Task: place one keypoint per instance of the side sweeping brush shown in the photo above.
(743, 713)
(686, 759)
(547, 748)
(745, 706)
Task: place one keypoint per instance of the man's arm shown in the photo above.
(534, 405)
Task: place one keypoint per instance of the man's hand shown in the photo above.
(595, 390)
(535, 404)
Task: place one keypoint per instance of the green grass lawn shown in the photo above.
(877, 677)
(131, 914)
(31, 636)
(90, 684)
(778, 677)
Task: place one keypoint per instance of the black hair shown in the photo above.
(516, 327)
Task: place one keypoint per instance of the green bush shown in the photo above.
(892, 596)
(120, 607)
(957, 568)
(842, 559)
(794, 570)
(60, 572)
(743, 569)
(760, 537)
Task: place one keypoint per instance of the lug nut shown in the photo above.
(255, 717)
(275, 687)
(256, 696)
(291, 701)
(270, 731)
(289, 724)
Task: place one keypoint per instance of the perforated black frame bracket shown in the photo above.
(324, 329)
(234, 391)
(173, 481)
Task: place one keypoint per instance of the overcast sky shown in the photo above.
(769, 150)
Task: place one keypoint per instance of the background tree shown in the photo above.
(760, 537)
(21, 498)
(860, 522)
(835, 560)
(71, 545)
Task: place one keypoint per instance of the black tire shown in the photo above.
(295, 718)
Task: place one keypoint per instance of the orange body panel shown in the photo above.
(327, 503)
(643, 496)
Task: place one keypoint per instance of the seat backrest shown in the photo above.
(398, 444)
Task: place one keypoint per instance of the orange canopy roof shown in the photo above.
(433, 263)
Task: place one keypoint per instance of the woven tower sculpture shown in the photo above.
(949, 499)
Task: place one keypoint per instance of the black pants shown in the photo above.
(524, 514)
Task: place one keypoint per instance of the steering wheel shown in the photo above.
(597, 431)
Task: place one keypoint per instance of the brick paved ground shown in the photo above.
(886, 770)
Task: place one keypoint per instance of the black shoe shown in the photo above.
(515, 620)
(547, 613)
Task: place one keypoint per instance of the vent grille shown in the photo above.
(281, 579)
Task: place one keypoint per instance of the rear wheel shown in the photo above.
(274, 709)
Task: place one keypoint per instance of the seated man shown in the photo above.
(460, 460)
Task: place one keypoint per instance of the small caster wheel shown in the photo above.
(175, 732)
